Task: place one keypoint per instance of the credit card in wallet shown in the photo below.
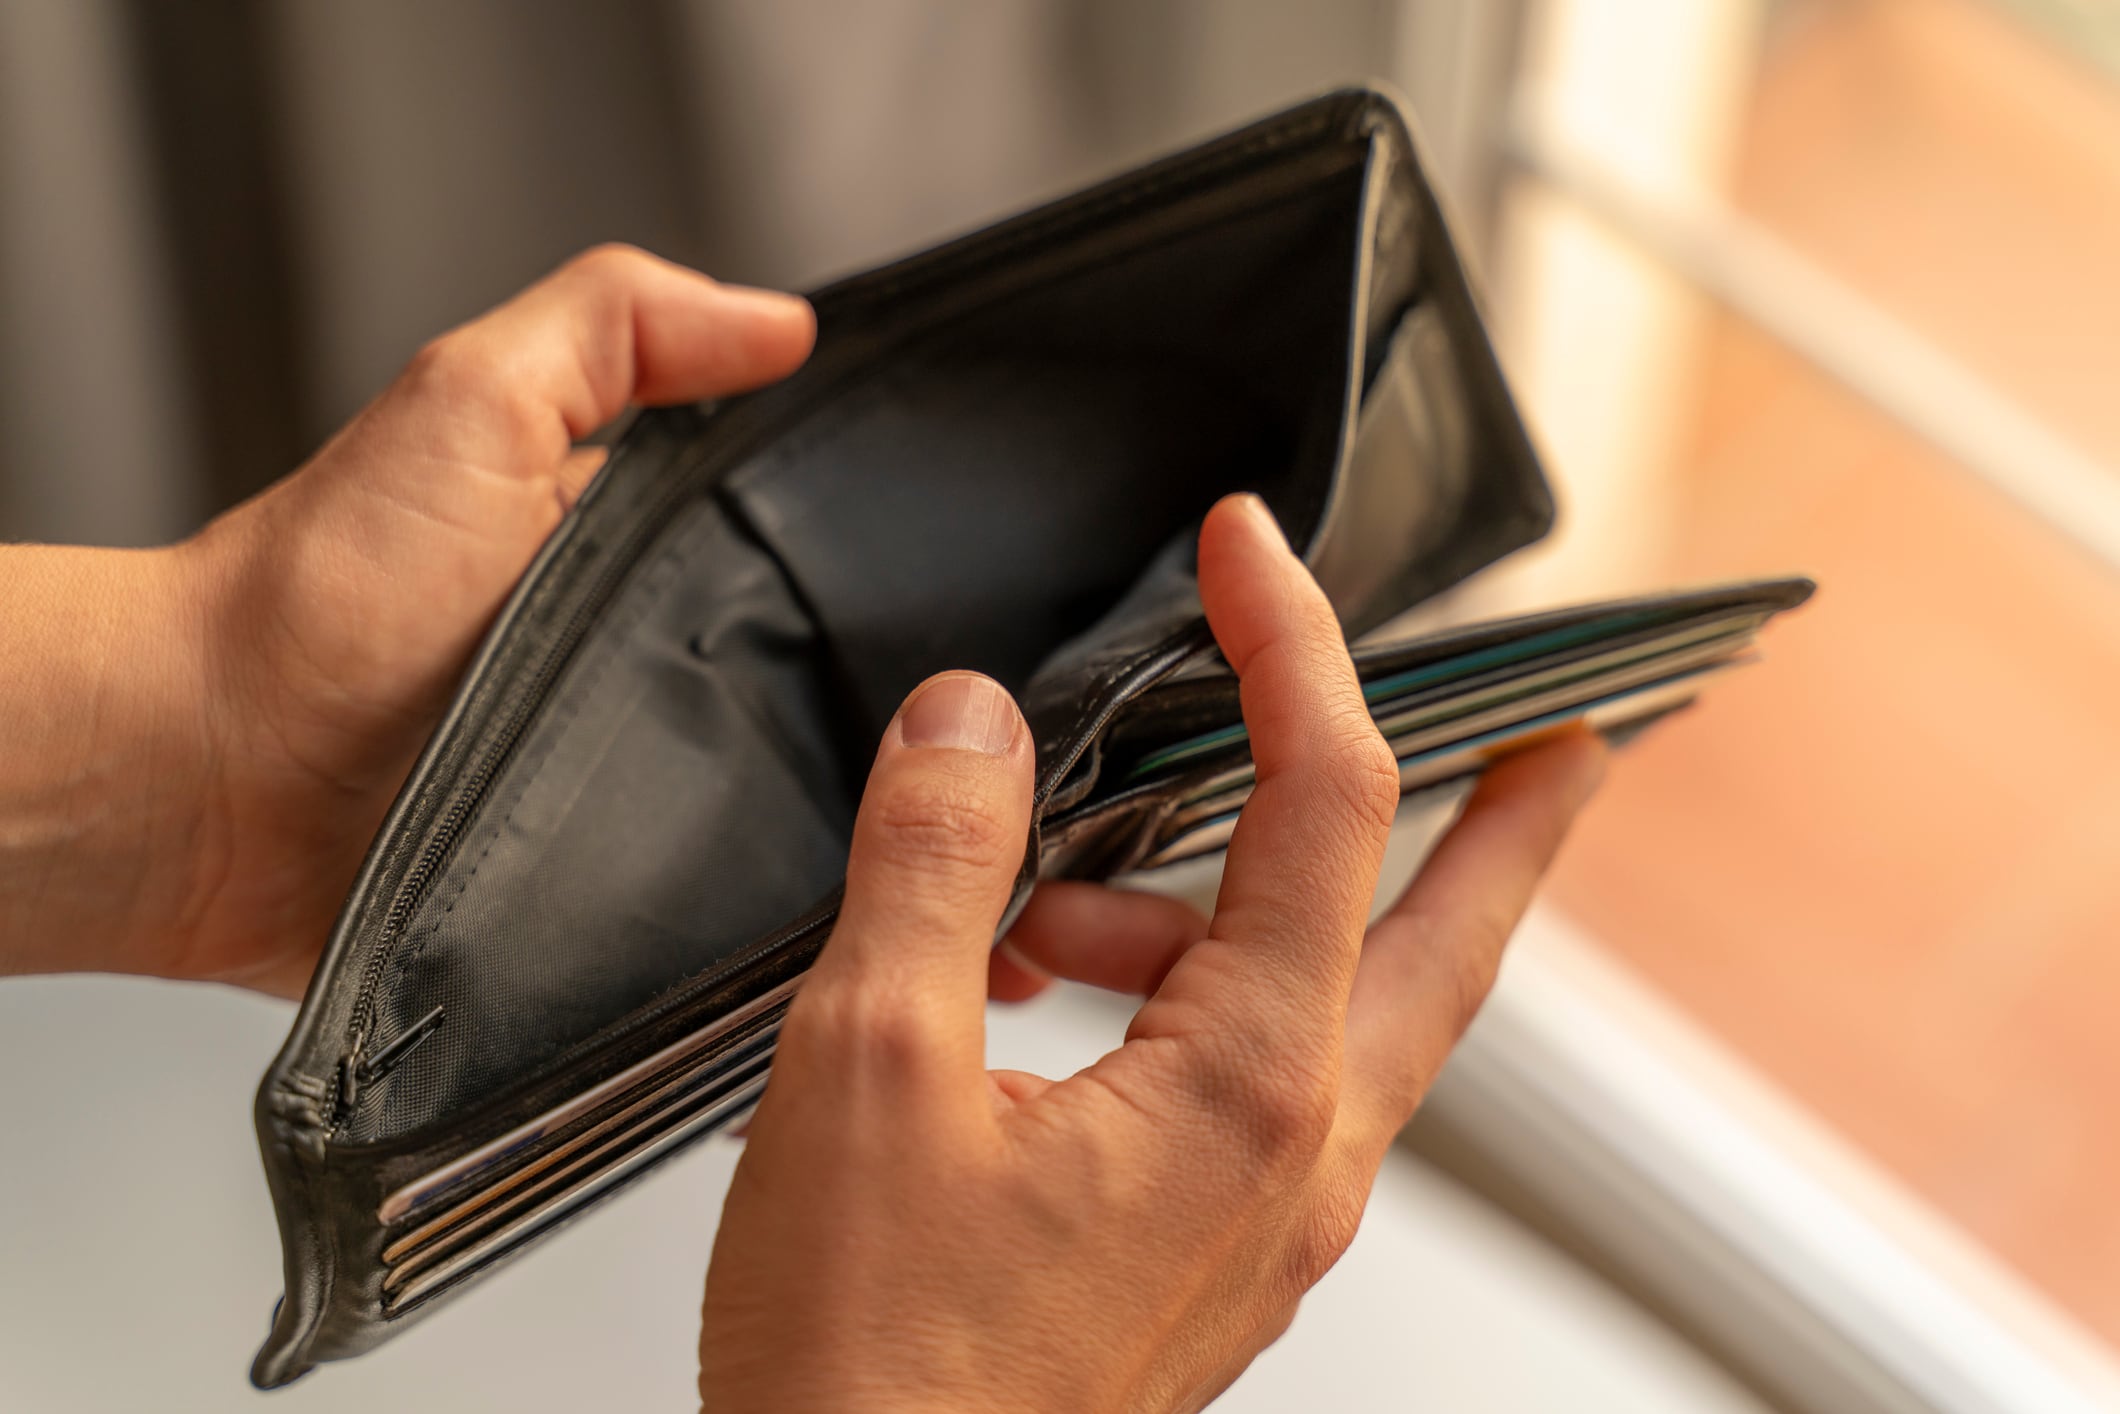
(1613, 715)
(1526, 693)
(1490, 664)
(1550, 669)
(1234, 786)
(506, 1191)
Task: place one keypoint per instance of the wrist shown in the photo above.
(105, 783)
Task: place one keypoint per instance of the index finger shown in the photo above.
(1302, 868)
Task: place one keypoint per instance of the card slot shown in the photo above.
(1446, 674)
(1613, 716)
(1436, 725)
(1448, 717)
(1572, 663)
(562, 1205)
(584, 1168)
(1193, 713)
(661, 1096)
(1449, 675)
(432, 1186)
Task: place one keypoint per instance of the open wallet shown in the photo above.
(570, 947)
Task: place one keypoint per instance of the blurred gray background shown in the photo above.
(225, 223)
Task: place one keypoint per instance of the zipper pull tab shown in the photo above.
(349, 1087)
(357, 1072)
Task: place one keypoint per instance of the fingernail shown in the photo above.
(963, 712)
(1262, 518)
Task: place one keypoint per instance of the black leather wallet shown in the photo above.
(569, 948)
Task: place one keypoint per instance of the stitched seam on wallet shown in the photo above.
(557, 572)
(653, 583)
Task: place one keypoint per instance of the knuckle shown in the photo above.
(1289, 1116)
(610, 261)
(1327, 1230)
(935, 824)
(893, 1034)
(882, 1026)
(1370, 776)
(459, 373)
(451, 363)
(1470, 981)
(1462, 952)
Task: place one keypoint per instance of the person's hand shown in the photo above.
(909, 1231)
(205, 738)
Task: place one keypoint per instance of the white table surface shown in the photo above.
(138, 1261)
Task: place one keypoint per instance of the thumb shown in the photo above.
(509, 393)
(937, 847)
(366, 578)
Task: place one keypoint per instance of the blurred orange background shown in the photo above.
(1886, 866)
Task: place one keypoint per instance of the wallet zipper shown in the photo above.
(346, 1081)
(356, 1070)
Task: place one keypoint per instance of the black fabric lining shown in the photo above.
(1036, 456)
(1182, 219)
(522, 987)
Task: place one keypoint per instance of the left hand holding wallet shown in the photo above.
(257, 693)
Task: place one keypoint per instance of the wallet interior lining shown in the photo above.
(953, 511)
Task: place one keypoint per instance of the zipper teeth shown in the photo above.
(412, 889)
